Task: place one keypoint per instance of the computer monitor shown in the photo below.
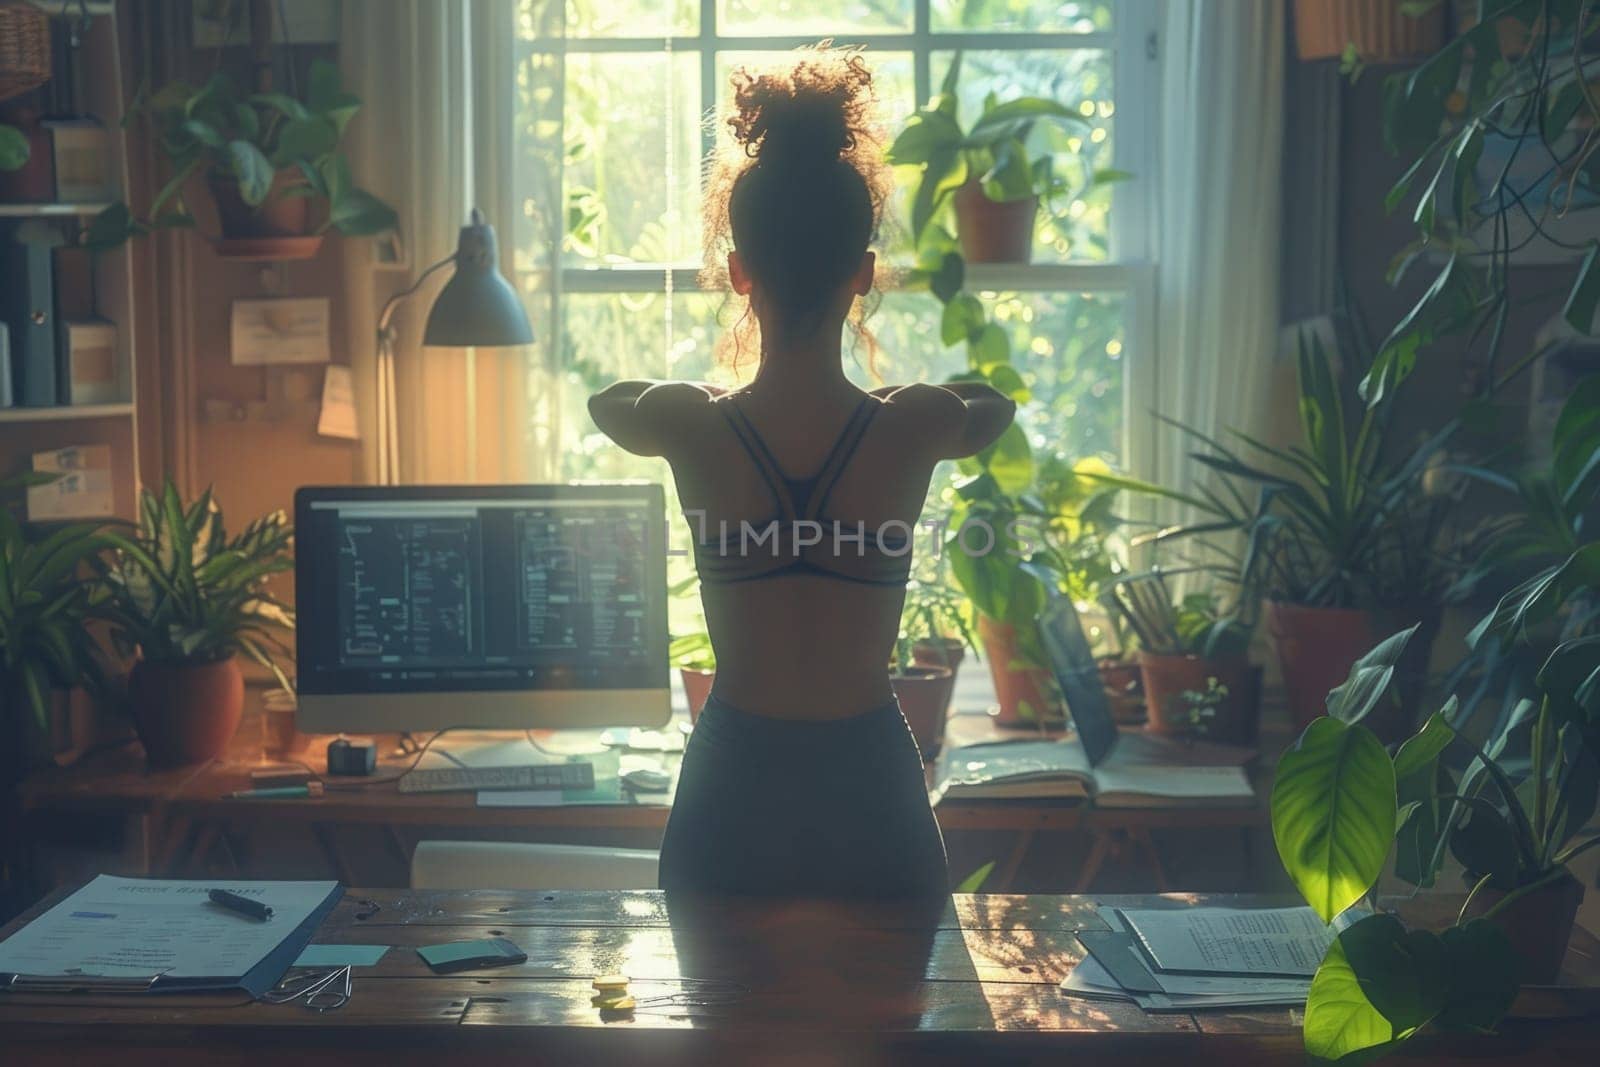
(431, 607)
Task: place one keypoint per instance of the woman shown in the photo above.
(801, 777)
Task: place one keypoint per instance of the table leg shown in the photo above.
(171, 840)
(1000, 881)
(1102, 846)
(330, 849)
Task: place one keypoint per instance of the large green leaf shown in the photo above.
(1370, 679)
(14, 149)
(1584, 296)
(304, 139)
(926, 135)
(360, 214)
(1483, 977)
(1333, 813)
(253, 171)
(963, 317)
(1340, 1020)
(1419, 781)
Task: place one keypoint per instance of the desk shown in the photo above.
(973, 980)
(178, 822)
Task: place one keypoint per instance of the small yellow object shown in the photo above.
(620, 1004)
(611, 981)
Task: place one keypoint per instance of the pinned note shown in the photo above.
(341, 955)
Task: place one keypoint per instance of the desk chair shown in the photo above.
(511, 865)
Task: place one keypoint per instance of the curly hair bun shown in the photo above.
(807, 112)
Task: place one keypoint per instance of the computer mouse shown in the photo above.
(645, 780)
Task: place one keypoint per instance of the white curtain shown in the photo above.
(436, 137)
(1218, 223)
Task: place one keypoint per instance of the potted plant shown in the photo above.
(1193, 657)
(265, 158)
(1341, 804)
(14, 147)
(1342, 541)
(185, 605)
(987, 173)
(923, 692)
(937, 620)
(697, 666)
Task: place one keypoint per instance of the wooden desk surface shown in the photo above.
(971, 979)
(117, 780)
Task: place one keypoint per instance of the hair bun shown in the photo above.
(805, 113)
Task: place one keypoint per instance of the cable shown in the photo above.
(366, 783)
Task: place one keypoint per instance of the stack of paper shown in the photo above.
(1034, 769)
(1182, 959)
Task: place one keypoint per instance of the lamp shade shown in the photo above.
(477, 307)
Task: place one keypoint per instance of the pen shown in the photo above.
(243, 905)
(310, 789)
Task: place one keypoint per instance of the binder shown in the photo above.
(262, 976)
(27, 307)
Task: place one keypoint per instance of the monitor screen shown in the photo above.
(557, 589)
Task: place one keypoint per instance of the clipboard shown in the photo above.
(261, 976)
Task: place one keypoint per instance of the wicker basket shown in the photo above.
(24, 49)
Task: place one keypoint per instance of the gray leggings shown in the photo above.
(779, 807)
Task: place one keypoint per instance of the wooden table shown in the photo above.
(969, 979)
(178, 821)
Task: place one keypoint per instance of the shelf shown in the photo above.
(34, 211)
(67, 411)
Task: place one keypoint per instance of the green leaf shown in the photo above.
(304, 139)
(948, 279)
(1486, 844)
(1403, 973)
(989, 347)
(1010, 178)
(359, 214)
(285, 105)
(962, 318)
(1333, 813)
(324, 92)
(253, 171)
(1108, 177)
(1009, 461)
(1007, 380)
(926, 135)
(14, 150)
(1483, 977)
(1584, 296)
(1370, 678)
(1340, 1020)
(111, 227)
(1007, 120)
(973, 882)
(1448, 302)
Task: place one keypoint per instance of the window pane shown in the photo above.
(1077, 226)
(632, 18)
(632, 174)
(1021, 16)
(824, 18)
(608, 336)
(1068, 347)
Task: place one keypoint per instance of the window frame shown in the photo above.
(1133, 44)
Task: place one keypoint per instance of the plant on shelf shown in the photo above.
(1340, 538)
(44, 605)
(936, 618)
(186, 603)
(1017, 525)
(265, 157)
(1196, 645)
(987, 174)
(1341, 804)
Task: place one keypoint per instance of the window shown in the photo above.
(613, 96)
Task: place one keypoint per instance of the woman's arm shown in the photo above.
(643, 415)
(957, 419)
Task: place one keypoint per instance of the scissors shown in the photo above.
(322, 991)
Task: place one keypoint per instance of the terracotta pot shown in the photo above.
(924, 696)
(1316, 649)
(185, 712)
(991, 231)
(1538, 925)
(277, 216)
(696, 687)
(943, 652)
(1124, 689)
(1026, 695)
(1167, 678)
(1379, 30)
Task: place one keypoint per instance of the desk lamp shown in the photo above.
(477, 308)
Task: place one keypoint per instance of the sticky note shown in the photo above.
(341, 955)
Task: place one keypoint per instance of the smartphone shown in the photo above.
(455, 956)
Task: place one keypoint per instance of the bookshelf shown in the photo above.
(98, 75)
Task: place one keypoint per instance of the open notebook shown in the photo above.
(1139, 772)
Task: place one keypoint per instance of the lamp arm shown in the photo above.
(385, 329)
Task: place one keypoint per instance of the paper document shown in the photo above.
(1116, 783)
(140, 928)
(341, 955)
(1238, 941)
(1090, 979)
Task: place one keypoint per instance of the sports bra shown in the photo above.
(797, 538)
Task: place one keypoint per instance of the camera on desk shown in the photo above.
(352, 757)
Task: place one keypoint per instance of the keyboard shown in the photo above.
(537, 776)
